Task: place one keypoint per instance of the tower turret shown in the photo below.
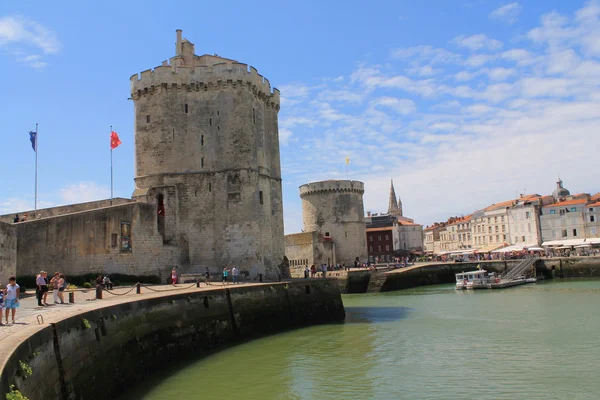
(207, 154)
(393, 203)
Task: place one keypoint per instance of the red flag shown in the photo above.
(114, 140)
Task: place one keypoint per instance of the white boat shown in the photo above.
(481, 279)
(474, 279)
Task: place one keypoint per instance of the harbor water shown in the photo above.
(538, 341)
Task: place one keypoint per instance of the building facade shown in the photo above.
(564, 220)
(380, 243)
(207, 156)
(306, 249)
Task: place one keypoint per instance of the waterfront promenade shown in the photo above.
(26, 319)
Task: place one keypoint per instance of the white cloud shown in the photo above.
(477, 42)
(83, 192)
(401, 106)
(483, 119)
(26, 38)
(284, 136)
(508, 13)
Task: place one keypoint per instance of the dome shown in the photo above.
(560, 191)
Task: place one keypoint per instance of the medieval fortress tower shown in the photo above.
(334, 209)
(207, 156)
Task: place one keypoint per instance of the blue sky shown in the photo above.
(462, 103)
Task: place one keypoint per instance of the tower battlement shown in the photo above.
(170, 76)
(331, 186)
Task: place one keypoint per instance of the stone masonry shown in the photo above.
(8, 252)
(207, 157)
(335, 210)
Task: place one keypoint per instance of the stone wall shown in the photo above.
(336, 208)
(62, 210)
(207, 148)
(93, 242)
(308, 248)
(124, 343)
(571, 267)
(8, 252)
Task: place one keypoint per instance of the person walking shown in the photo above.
(306, 272)
(55, 286)
(313, 271)
(207, 276)
(235, 273)
(41, 290)
(62, 286)
(324, 267)
(173, 276)
(225, 274)
(11, 298)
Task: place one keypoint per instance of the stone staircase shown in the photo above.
(523, 266)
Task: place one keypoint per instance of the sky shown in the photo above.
(462, 103)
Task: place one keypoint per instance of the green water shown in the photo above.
(540, 341)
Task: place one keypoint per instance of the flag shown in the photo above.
(347, 160)
(33, 138)
(478, 266)
(114, 140)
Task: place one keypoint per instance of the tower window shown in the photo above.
(217, 112)
(202, 140)
(186, 108)
(202, 162)
(210, 121)
(326, 233)
(218, 128)
(147, 119)
(260, 197)
(210, 187)
(253, 117)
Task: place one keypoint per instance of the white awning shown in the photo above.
(535, 248)
(566, 242)
(514, 247)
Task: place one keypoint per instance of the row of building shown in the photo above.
(533, 220)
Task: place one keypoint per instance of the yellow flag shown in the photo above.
(347, 160)
(478, 266)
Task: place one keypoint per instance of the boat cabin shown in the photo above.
(466, 280)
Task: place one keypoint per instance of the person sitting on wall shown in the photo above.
(107, 283)
(16, 219)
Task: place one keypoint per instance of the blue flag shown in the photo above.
(33, 138)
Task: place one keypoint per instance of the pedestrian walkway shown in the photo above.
(29, 312)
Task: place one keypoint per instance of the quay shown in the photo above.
(97, 349)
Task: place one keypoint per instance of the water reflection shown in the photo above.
(361, 315)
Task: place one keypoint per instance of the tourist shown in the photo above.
(225, 273)
(324, 268)
(235, 273)
(55, 286)
(107, 283)
(313, 271)
(207, 275)
(41, 290)
(11, 298)
(173, 276)
(100, 281)
(306, 272)
(24, 217)
(62, 286)
(16, 219)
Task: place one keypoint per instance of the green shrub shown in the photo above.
(24, 370)
(14, 394)
(86, 324)
(87, 285)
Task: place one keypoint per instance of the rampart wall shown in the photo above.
(119, 239)
(8, 252)
(123, 344)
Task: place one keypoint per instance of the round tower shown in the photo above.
(207, 155)
(335, 210)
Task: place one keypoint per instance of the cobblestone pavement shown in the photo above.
(28, 313)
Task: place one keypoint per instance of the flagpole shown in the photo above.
(111, 170)
(36, 170)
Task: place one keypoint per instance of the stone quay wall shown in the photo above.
(100, 354)
(8, 252)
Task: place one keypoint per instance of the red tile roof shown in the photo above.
(567, 203)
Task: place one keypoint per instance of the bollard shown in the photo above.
(71, 297)
(198, 283)
(99, 292)
(260, 278)
(138, 288)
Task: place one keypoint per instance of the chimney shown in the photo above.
(178, 48)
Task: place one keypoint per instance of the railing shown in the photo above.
(520, 268)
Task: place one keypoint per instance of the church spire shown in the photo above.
(393, 204)
(399, 207)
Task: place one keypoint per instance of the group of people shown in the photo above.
(313, 271)
(235, 275)
(42, 287)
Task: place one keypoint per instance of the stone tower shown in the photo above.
(335, 210)
(207, 155)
